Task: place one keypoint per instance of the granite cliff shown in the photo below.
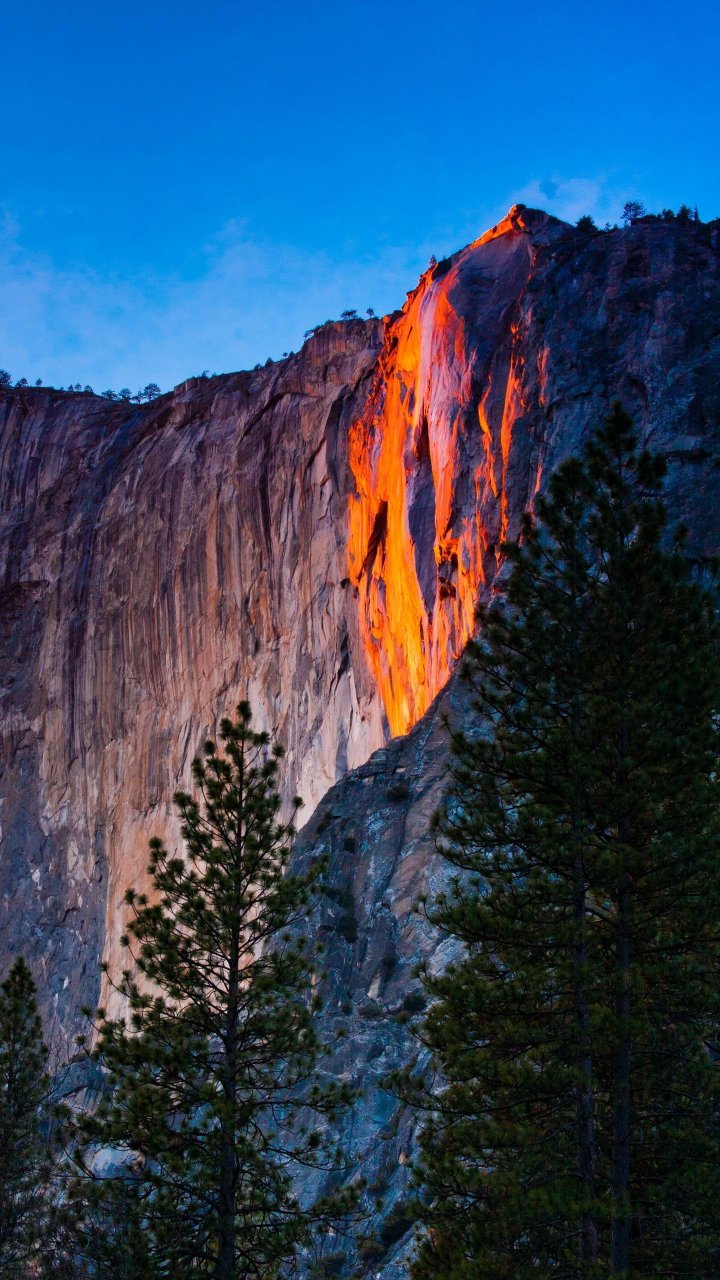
(159, 564)
(315, 535)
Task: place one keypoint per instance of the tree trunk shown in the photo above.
(225, 1266)
(621, 1112)
(620, 1236)
(584, 1091)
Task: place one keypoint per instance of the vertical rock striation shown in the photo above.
(159, 563)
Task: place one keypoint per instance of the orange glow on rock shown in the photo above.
(431, 458)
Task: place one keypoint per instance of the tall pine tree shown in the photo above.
(576, 1133)
(25, 1123)
(213, 1097)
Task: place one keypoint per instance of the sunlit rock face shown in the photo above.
(433, 462)
(502, 359)
(158, 564)
(314, 536)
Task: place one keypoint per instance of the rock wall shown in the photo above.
(501, 360)
(159, 563)
(430, 457)
(312, 535)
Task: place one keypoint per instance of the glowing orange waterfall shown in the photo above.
(430, 457)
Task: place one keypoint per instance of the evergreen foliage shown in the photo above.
(213, 1097)
(576, 1132)
(25, 1111)
(633, 210)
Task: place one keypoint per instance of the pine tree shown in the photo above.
(25, 1113)
(213, 1094)
(576, 1132)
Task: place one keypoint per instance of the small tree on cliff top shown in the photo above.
(632, 211)
(578, 1132)
(211, 1097)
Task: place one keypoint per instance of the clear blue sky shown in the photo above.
(188, 186)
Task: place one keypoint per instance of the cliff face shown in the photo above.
(430, 458)
(158, 564)
(502, 359)
(314, 536)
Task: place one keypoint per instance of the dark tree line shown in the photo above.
(634, 211)
(150, 392)
(577, 1130)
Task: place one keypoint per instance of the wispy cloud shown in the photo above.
(251, 300)
(570, 198)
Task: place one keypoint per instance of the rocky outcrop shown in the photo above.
(314, 535)
(374, 829)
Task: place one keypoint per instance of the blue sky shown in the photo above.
(190, 186)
